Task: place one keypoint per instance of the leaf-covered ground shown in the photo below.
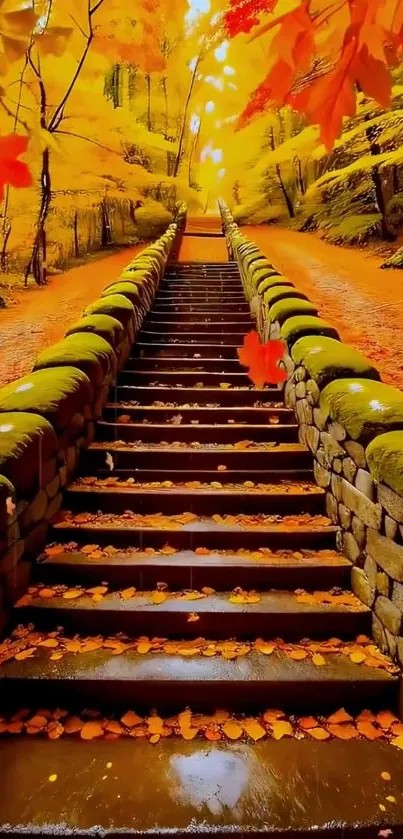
(41, 316)
(363, 302)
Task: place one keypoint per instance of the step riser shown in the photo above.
(230, 434)
(207, 365)
(186, 378)
(232, 338)
(185, 540)
(173, 695)
(205, 416)
(214, 625)
(193, 501)
(163, 472)
(260, 462)
(199, 326)
(204, 286)
(200, 396)
(189, 312)
(179, 577)
(141, 348)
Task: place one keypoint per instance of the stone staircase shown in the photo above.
(196, 481)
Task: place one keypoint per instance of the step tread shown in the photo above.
(120, 488)
(198, 526)
(267, 448)
(214, 787)
(271, 603)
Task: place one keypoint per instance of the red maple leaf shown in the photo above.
(13, 172)
(243, 15)
(262, 360)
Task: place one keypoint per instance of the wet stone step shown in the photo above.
(281, 458)
(183, 413)
(200, 325)
(186, 378)
(183, 350)
(201, 501)
(190, 570)
(201, 396)
(136, 530)
(215, 787)
(242, 684)
(157, 432)
(183, 473)
(276, 614)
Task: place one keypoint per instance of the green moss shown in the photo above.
(27, 441)
(55, 393)
(283, 309)
(116, 305)
(364, 407)
(327, 359)
(273, 293)
(264, 274)
(385, 460)
(89, 353)
(128, 289)
(300, 325)
(250, 258)
(103, 325)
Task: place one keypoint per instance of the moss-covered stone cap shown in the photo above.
(327, 359)
(385, 459)
(27, 441)
(56, 394)
(89, 353)
(300, 325)
(264, 274)
(365, 408)
(116, 305)
(128, 289)
(105, 326)
(273, 293)
(283, 309)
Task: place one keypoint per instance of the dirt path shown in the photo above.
(203, 249)
(42, 315)
(349, 289)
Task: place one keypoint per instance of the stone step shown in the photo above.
(183, 350)
(189, 570)
(196, 337)
(282, 458)
(272, 788)
(201, 396)
(191, 313)
(210, 365)
(205, 416)
(175, 681)
(294, 498)
(200, 325)
(187, 378)
(135, 531)
(277, 614)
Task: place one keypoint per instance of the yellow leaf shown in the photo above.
(56, 656)
(266, 649)
(144, 647)
(52, 778)
(158, 597)
(155, 738)
(254, 730)
(398, 742)
(232, 730)
(155, 725)
(72, 594)
(97, 590)
(386, 776)
(127, 593)
(319, 733)
(130, 719)
(318, 660)
(357, 657)
(189, 733)
(193, 617)
(49, 642)
(391, 799)
(297, 655)
(281, 728)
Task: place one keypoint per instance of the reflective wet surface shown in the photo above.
(292, 787)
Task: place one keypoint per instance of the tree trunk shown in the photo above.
(184, 120)
(300, 177)
(106, 228)
(37, 263)
(148, 80)
(6, 235)
(377, 180)
(287, 199)
(76, 244)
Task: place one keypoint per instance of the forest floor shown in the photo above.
(352, 292)
(40, 316)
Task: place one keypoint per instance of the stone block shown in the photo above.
(379, 634)
(302, 434)
(350, 547)
(397, 595)
(300, 374)
(331, 446)
(312, 438)
(312, 392)
(349, 469)
(52, 487)
(300, 390)
(16, 582)
(289, 394)
(71, 459)
(35, 511)
(12, 556)
(336, 486)
(392, 643)
(364, 482)
(331, 508)
(387, 554)
(345, 516)
(399, 651)
(391, 501)
(322, 476)
(48, 470)
(366, 510)
(356, 452)
(388, 614)
(390, 527)
(359, 531)
(337, 431)
(382, 583)
(319, 418)
(35, 540)
(362, 587)
(371, 570)
(54, 506)
(337, 466)
(63, 475)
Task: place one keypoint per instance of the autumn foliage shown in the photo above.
(262, 360)
(320, 55)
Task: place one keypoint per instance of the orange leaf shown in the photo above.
(91, 730)
(212, 733)
(319, 733)
(262, 360)
(72, 594)
(297, 655)
(281, 728)
(127, 593)
(144, 647)
(232, 730)
(340, 717)
(54, 550)
(28, 653)
(131, 719)
(254, 730)
(49, 642)
(193, 617)
(343, 732)
(368, 730)
(73, 725)
(158, 597)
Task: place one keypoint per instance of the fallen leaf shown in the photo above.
(28, 653)
(46, 593)
(127, 593)
(391, 799)
(281, 728)
(91, 730)
(73, 725)
(386, 776)
(52, 778)
(55, 730)
(398, 742)
(254, 730)
(49, 642)
(158, 597)
(358, 657)
(319, 733)
(54, 550)
(130, 719)
(144, 647)
(297, 655)
(109, 461)
(72, 594)
(343, 732)
(193, 617)
(318, 660)
(232, 730)
(340, 716)
(368, 730)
